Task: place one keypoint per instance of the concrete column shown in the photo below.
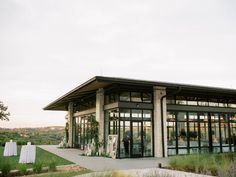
(100, 112)
(70, 121)
(159, 92)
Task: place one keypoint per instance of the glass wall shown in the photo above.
(128, 96)
(85, 103)
(134, 127)
(203, 132)
(224, 132)
(199, 101)
(192, 132)
(84, 130)
(232, 135)
(215, 133)
(171, 133)
(182, 132)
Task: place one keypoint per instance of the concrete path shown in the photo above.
(102, 163)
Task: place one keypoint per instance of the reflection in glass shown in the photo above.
(181, 100)
(215, 131)
(136, 97)
(84, 130)
(170, 100)
(125, 139)
(136, 113)
(192, 101)
(147, 97)
(171, 136)
(182, 129)
(224, 129)
(193, 130)
(147, 114)
(125, 113)
(203, 102)
(125, 96)
(134, 128)
(147, 138)
(232, 120)
(136, 139)
(204, 138)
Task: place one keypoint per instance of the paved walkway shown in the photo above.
(102, 163)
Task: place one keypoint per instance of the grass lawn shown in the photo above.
(42, 156)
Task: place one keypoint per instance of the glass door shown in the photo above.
(125, 139)
(136, 140)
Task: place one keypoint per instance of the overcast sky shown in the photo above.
(48, 47)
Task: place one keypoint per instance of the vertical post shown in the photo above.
(160, 133)
(100, 112)
(70, 121)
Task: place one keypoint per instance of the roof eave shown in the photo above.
(50, 105)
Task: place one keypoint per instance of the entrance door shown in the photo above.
(137, 139)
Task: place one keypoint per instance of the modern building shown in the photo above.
(151, 118)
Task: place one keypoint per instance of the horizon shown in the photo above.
(31, 127)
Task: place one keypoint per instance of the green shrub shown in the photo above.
(22, 169)
(223, 165)
(198, 163)
(52, 166)
(227, 168)
(37, 167)
(6, 167)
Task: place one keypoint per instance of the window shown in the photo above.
(213, 102)
(147, 114)
(170, 100)
(124, 96)
(182, 132)
(201, 101)
(111, 97)
(84, 133)
(193, 129)
(136, 97)
(192, 101)
(171, 133)
(147, 97)
(136, 113)
(125, 113)
(181, 100)
(232, 105)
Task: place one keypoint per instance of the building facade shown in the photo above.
(151, 118)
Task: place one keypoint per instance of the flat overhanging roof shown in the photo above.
(92, 85)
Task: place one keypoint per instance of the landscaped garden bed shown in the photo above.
(223, 165)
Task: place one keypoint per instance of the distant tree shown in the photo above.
(3, 112)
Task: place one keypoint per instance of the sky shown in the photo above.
(49, 47)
